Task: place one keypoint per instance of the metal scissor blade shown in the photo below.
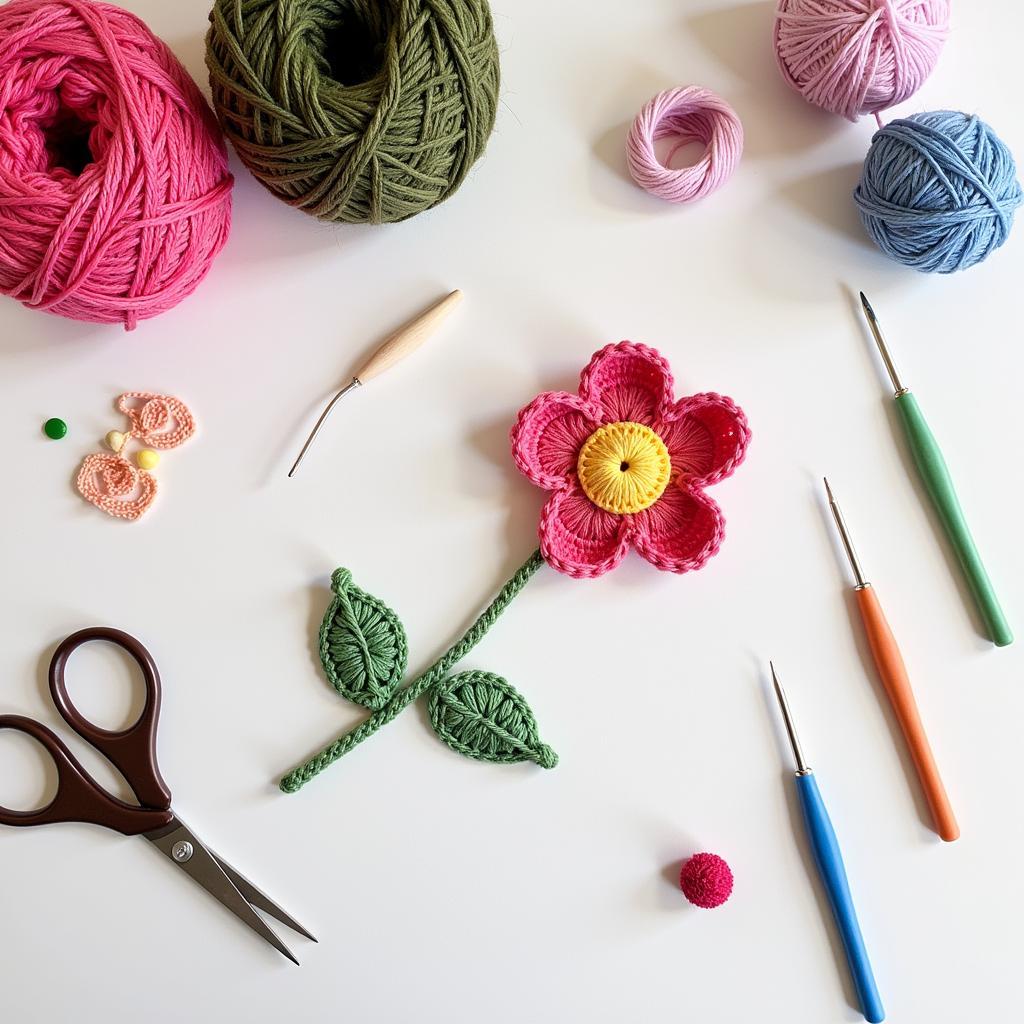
(181, 846)
(260, 899)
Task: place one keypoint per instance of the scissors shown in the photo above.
(133, 752)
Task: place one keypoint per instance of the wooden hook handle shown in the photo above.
(407, 339)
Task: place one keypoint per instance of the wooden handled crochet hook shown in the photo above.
(893, 673)
(396, 347)
(939, 484)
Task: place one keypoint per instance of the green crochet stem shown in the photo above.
(299, 776)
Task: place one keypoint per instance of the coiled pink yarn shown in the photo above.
(690, 114)
(855, 57)
(115, 194)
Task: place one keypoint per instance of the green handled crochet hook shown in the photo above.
(939, 484)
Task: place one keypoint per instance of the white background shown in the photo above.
(448, 890)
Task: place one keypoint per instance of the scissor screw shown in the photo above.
(182, 851)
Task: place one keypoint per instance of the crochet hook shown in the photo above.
(395, 347)
(893, 673)
(829, 861)
(939, 484)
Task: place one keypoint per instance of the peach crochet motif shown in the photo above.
(115, 486)
(627, 464)
(110, 481)
(161, 421)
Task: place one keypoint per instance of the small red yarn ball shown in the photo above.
(706, 880)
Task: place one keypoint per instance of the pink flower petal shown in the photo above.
(580, 539)
(548, 435)
(680, 531)
(706, 436)
(628, 382)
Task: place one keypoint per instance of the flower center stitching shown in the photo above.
(624, 467)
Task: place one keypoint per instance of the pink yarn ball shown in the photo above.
(115, 194)
(706, 880)
(855, 57)
(687, 114)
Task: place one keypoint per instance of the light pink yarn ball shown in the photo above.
(115, 194)
(687, 114)
(855, 57)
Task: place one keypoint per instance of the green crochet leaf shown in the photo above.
(362, 644)
(480, 715)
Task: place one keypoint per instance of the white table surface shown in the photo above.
(447, 890)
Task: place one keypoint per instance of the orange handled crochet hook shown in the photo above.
(893, 673)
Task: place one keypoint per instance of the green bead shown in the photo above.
(55, 429)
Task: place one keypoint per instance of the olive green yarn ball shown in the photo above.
(361, 111)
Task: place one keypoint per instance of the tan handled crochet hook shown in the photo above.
(396, 347)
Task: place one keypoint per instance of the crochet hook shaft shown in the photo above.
(893, 673)
(395, 347)
(829, 861)
(939, 484)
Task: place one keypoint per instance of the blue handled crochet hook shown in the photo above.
(829, 861)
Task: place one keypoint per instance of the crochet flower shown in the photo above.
(627, 464)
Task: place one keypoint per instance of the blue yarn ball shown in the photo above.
(938, 191)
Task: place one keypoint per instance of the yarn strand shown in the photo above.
(690, 114)
(298, 777)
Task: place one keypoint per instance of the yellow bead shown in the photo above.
(148, 459)
(115, 440)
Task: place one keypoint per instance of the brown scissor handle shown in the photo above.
(133, 750)
(78, 797)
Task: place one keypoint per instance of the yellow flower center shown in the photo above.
(624, 467)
